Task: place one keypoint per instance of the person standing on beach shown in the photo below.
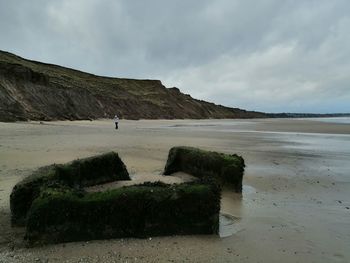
(116, 120)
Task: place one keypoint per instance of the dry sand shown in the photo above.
(294, 207)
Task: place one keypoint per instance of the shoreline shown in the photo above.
(293, 207)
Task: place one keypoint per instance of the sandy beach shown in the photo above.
(295, 205)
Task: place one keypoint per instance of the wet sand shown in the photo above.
(295, 205)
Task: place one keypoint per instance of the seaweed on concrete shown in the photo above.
(94, 170)
(54, 206)
(152, 209)
(226, 169)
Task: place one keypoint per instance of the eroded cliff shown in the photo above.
(31, 90)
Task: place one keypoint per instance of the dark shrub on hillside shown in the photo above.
(151, 209)
(226, 169)
(79, 173)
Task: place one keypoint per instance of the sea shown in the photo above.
(345, 120)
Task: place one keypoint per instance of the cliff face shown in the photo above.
(32, 90)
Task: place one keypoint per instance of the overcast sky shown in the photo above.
(265, 55)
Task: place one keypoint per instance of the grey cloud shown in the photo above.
(266, 55)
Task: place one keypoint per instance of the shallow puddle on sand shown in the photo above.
(231, 213)
(227, 225)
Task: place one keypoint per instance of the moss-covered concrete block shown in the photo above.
(151, 209)
(93, 170)
(79, 173)
(24, 192)
(54, 206)
(226, 169)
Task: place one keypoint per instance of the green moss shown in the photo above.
(24, 193)
(79, 173)
(93, 170)
(224, 168)
(55, 208)
(134, 211)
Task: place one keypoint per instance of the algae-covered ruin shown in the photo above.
(153, 209)
(99, 169)
(54, 206)
(226, 169)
